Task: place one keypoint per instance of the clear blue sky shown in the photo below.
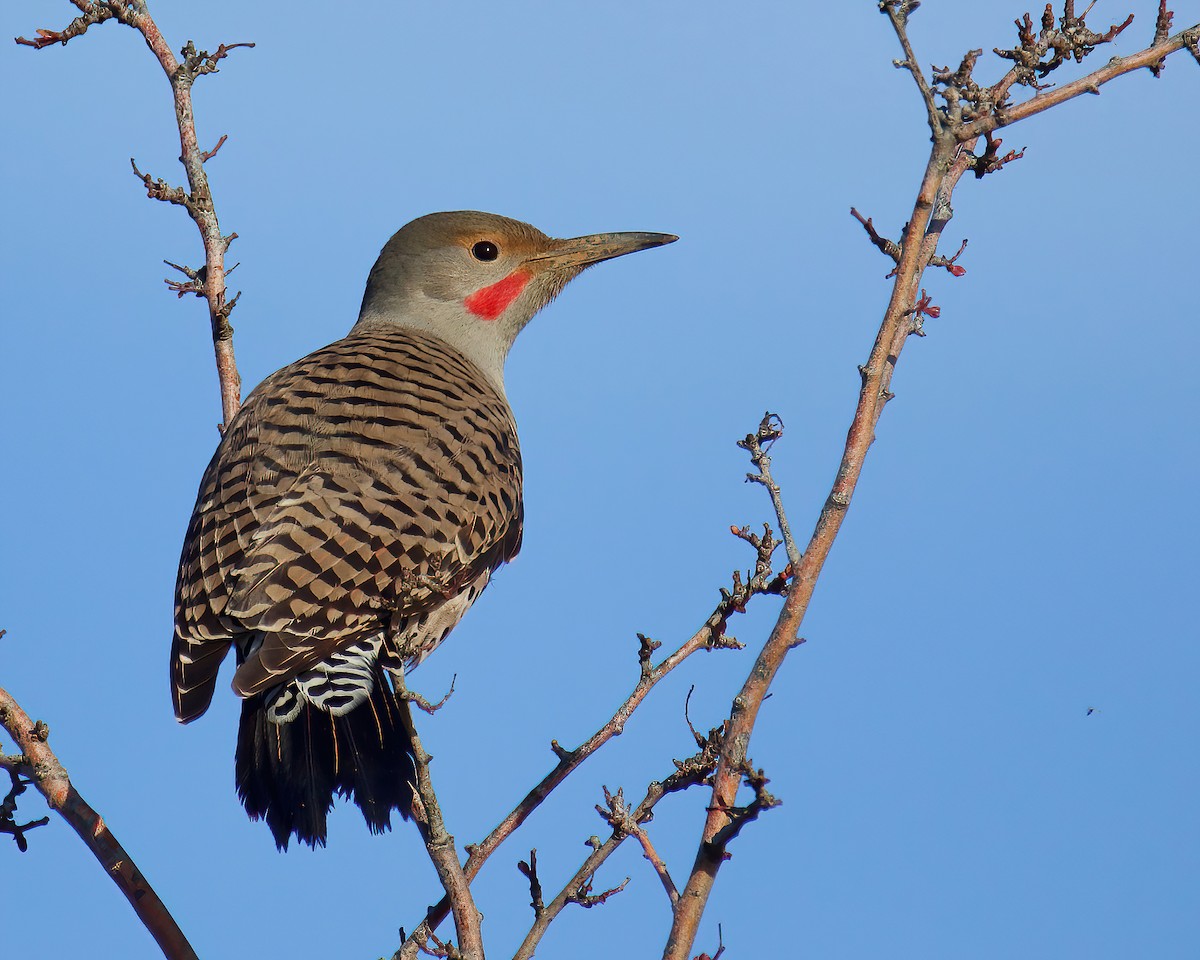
(1022, 546)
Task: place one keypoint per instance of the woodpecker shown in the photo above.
(356, 507)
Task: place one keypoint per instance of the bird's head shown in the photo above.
(476, 279)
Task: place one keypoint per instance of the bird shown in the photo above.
(356, 506)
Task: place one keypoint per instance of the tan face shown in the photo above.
(476, 279)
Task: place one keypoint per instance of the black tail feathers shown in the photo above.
(288, 773)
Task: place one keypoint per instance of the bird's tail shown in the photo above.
(287, 773)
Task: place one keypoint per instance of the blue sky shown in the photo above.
(1021, 546)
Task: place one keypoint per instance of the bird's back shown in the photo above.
(358, 490)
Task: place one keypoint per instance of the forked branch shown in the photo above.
(970, 112)
(711, 636)
(625, 822)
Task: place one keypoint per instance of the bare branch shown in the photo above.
(757, 444)
(1152, 57)
(161, 190)
(438, 842)
(579, 884)
(47, 774)
(1072, 40)
(529, 871)
(199, 63)
(688, 773)
(720, 947)
(897, 12)
(194, 283)
(646, 650)
(583, 895)
(622, 817)
(891, 249)
(972, 112)
(950, 262)
(209, 154)
(437, 948)
(197, 199)
(739, 816)
(8, 807)
(660, 867)
(990, 160)
(424, 705)
(710, 636)
(93, 13)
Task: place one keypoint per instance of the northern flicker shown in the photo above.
(355, 508)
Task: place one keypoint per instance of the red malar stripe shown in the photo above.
(492, 301)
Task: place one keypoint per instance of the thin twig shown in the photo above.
(583, 896)
(688, 773)
(950, 263)
(720, 946)
(528, 870)
(8, 806)
(622, 820)
(424, 705)
(758, 444)
(209, 154)
(889, 248)
(638, 832)
(897, 11)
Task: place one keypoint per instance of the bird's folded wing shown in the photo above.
(356, 484)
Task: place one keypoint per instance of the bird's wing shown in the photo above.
(378, 475)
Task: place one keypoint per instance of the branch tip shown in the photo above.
(564, 755)
(209, 154)
(720, 947)
(646, 648)
(889, 248)
(92, 14)
(415, 698)
(529, 871)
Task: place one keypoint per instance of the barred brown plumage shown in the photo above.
(355, 508)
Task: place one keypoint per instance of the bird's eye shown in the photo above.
(485, 250)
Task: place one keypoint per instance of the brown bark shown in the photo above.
(950, 157)
(51, 780)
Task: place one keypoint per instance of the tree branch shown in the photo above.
(897, 12)
(38, 762)
(711, 636)
(757, 444)
(438, 842)
(208, 282)
(955, 133)
(638, 832)
(1116, 67)
(688, 773)
(8, 806)
(529, 872)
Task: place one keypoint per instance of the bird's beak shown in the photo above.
(583, 251)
